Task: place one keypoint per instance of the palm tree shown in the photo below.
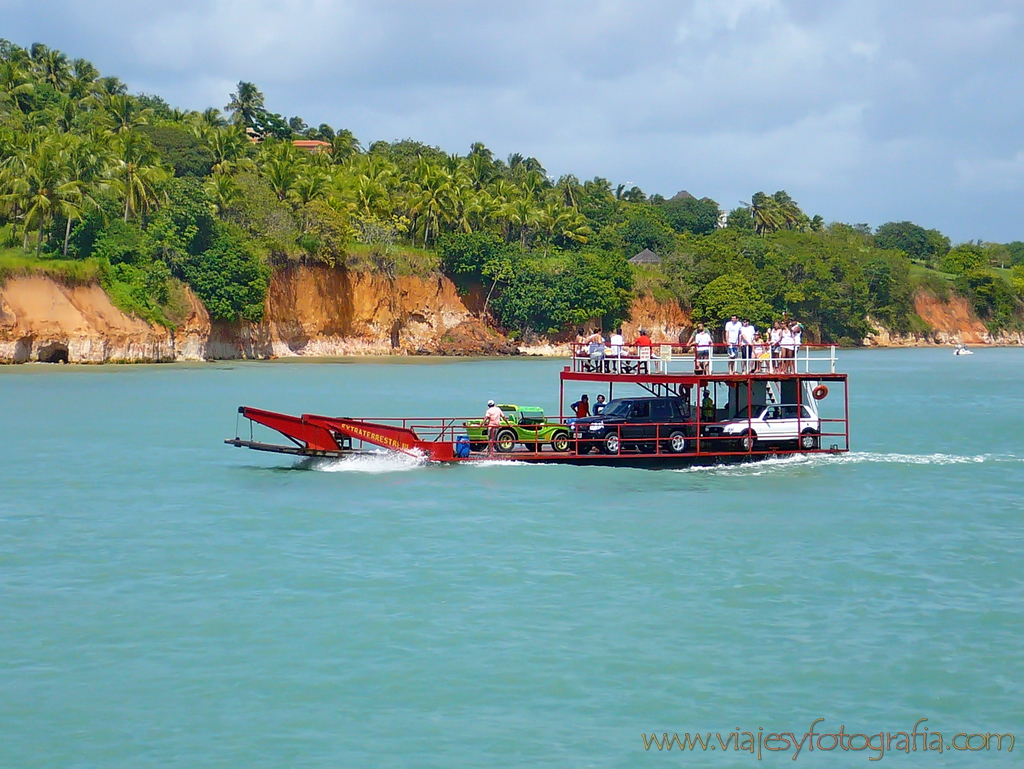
(246, 105)
(223, 191)
(281, 167)
(520, 214)
(121, 113)
(211, 118)
(230, 147)
(765, 212)
(569, 187)
(139, 173)
(16, 87)
(90, 164)
(45, 188)
(431, 198)
(314, 184)
(52, 67)
(344, 146)
(83, 77)
(111, 86)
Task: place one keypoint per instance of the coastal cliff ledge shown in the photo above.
(324, 312)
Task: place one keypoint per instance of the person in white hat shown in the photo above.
(492, 421)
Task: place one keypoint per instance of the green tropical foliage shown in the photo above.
(152, 198)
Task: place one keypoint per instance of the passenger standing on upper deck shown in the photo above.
(788, 349)
(797, 331)
(617, 343)
(732, 341)
(775, 345)
(643, 340)
(596, 350)
(747, 332)
(701, 339)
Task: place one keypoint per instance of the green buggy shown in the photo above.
(526, 425)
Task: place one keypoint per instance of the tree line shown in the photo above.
(159, 197)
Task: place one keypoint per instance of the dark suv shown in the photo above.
(637, 424)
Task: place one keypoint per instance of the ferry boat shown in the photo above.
(667, 407)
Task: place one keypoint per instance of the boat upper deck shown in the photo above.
(678, 363)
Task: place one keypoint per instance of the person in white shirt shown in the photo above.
(616, 342)
(788, 348)
(492, 421)
(747, 332)
(798, 332)
(775, 344)
(732, 341)
(701, 339)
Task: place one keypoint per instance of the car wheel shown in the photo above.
(560, 441)
(612, 444)
(748, 440)
(505, 441)
(810, 439)
(676, 442)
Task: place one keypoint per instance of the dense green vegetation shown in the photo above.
(96, 183)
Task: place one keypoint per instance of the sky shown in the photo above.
(863, 111)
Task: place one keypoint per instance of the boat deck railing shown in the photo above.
(668, 359)
(832, 435)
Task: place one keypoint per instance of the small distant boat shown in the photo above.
(961, 349)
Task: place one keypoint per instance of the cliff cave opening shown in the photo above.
(53, 353)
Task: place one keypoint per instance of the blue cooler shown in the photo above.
(462, 446)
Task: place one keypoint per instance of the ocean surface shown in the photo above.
(169, 601)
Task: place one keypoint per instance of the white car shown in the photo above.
(772, 425)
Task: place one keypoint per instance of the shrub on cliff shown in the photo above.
(992, 298)
(730, 295)
(228, 277)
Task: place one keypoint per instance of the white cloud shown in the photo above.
(862, 109)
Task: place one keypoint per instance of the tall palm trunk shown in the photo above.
(67, 236)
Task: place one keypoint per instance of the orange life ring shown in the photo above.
(819, 392)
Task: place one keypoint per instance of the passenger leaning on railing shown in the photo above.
(701, 340)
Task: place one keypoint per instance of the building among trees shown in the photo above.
(646, 257)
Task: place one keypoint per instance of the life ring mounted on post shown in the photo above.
(819, 392)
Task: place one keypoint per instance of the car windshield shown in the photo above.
(616, 408)
(749, 412)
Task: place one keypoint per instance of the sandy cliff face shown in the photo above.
(951, 322)
(310, 311)
(315, 311)
(43, 320)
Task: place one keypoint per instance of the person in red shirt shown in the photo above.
(643, 340)
(582, 406)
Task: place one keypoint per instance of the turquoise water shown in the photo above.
(168, 601)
